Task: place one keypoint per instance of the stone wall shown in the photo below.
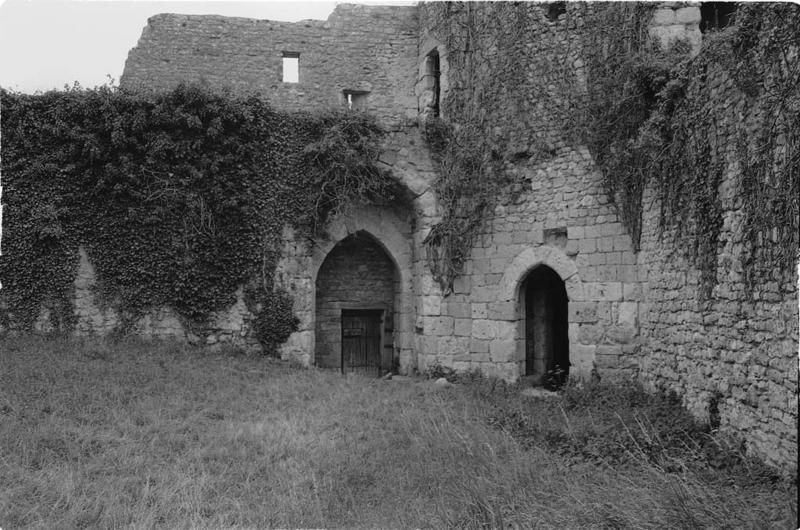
(368, 49)
(564, 221)
(92, 317)
(557, 213)
(677, 21)
(638, 315)
(732, 357)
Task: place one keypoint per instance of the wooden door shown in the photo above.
(361, 341)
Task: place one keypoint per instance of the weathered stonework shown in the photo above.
(629, 315)
(356, 274)
(733, 356)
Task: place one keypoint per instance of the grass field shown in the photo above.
(109, 435)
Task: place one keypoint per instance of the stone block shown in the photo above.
(462, 327)
(575, 232)
(484, 294)
(503, 350)
(611, 229)
(602, 291)
(586, 246)
(502, 239)
(506, 329)
(628, 314)
(431, 305)
(503, 311)
(493, 279)
(622, 243)
(453, 346)
(590, 334)
(663, 17)
(484, 329)
(620, 334)
(462, 284)
(428, 344)
(627, 273)
(688, 15)
(583, 312)
(479, 346)
(439, 326)
(605, 244)
(631, 291)
(480, 311)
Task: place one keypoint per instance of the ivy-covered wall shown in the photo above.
(720, 235)
(179, 200)
(518, 187)
(656, 175)
(366, 49)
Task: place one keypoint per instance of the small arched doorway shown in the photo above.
(356, 290)
(544, 300)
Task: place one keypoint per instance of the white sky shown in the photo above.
(46, 44)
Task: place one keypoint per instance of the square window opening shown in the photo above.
(355, 99)
(291, 67)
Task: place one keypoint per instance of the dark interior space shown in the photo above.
(546, 329)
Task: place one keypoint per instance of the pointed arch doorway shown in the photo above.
(545, 302)
(357, 292)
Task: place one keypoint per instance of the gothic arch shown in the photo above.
(510, 292)
(393, 235)
(531, 258)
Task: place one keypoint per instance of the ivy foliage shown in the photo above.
(649, 115)
(469, 157)
(734, 105)
(178, 198)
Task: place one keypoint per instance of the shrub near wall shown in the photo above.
(178, 199)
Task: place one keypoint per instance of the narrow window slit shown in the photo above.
(434, 75)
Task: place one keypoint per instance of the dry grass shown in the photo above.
(110, 435)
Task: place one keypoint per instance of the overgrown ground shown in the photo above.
(101, 434)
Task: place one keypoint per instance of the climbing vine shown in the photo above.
(648, 114)
(490, 55)
(765, 47)
(626, 70)
(178, 198)
(736, 104)
(470, 152)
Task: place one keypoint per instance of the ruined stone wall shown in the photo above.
(360, 48)
(732, 357)
(555, 213)
(229, 326)
(732, 360)
(356, 274)
(370, 49)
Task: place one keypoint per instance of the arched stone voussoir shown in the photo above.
(389, 231)
(531, 258)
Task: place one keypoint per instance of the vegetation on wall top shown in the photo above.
(178, 198)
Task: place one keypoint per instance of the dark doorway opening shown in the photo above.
(546, 328)
(362, 340)
(356, 296)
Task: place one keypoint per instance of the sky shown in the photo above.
(46, 44)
